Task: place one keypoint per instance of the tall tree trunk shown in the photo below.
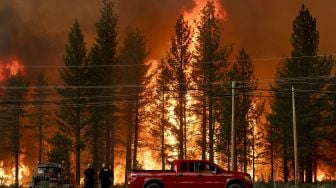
(272, 157)
(78, 147)
(244, 122)
(108, 137)
(301, 170)
(181, 127)
(185, 128)
(112, 148)
(211, 126)
(95, 149)
(204, 123)
(245, 143)
(163, 163)
(309, 168)
(315, 169)
(229, 156)
(136, 135)
(285, 164)
(17, 146)
(253, 157)
(40, 135)
(128, 146)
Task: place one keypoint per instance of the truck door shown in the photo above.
(185, 178)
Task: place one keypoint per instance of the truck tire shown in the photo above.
(153, 185)
(235, 185)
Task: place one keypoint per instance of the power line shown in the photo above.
(144, 64)
(292, 80)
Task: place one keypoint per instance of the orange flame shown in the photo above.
(146, 157)
(10, 67)
(7, 179)
(193, 16)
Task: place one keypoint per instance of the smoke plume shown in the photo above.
(36, 31)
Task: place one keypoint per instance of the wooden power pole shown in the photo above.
(295, 140)
(233, 135)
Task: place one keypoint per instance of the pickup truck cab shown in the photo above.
(189, 174)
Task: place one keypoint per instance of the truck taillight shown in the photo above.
(131, 177)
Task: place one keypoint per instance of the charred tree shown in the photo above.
(13, 102)
(134, 53)
(208, 51)
(40, 114)
(72, 113)
(243, 73)
(163, 82)
(95, 130)
(61, 146)
(305, 63)
(179, 57)
(106, 46)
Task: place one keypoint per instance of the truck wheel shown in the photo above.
(235, 185)
(153, 185)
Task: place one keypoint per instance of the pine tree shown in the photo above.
(97, 111)
(163, 82)
(329, 130)
(39, 102)
(179, 58)
(303, 63)
(106, 47)
(13, 112)
(134, 54)
(243, 73)
(208, 53)
(72, 113)
(61, 148)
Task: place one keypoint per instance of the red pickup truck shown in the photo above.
(189, 174)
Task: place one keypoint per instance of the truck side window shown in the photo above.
(191, 167)
(197, 167)
(207, 167)
(184, 167)
(204, 167)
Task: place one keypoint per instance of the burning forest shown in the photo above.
(104, 92)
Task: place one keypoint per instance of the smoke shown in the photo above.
(264, 28)
(156, 18)
(36, 31)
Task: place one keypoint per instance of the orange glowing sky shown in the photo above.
(32, 28)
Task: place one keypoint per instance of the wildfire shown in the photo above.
(193, 16)
(7, 179)
(10, 67)
(146, 157)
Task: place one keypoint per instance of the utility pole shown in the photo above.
(233, 135)
(295, 140)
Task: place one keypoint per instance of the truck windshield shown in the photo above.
(49, 170)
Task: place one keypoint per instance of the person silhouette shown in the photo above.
(105, 176)
(89, 174)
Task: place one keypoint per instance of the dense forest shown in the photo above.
(117, 106)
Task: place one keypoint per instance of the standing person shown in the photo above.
(105, 176)
(89, 174)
